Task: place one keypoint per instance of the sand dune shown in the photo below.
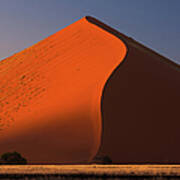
(89, 89)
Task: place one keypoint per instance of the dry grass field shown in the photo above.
(90, 172)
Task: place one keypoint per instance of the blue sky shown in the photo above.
(155, 23)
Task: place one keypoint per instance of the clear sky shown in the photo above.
(155, 23)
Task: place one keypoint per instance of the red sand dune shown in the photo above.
(89, 89)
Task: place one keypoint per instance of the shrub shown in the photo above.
(102, 159)
(12, 158)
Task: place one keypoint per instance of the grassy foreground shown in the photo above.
(90, 171)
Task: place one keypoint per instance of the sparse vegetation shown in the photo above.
(126, 172)
(102, 159)
(12, 158)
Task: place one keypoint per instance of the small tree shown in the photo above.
(12, 158)
(102, 159)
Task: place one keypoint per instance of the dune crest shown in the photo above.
(140, 106)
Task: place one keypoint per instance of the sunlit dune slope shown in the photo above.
(89, 89)
(50, 106)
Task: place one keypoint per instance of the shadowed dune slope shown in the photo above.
(89, 89)
(50, 94)
(140, 107)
